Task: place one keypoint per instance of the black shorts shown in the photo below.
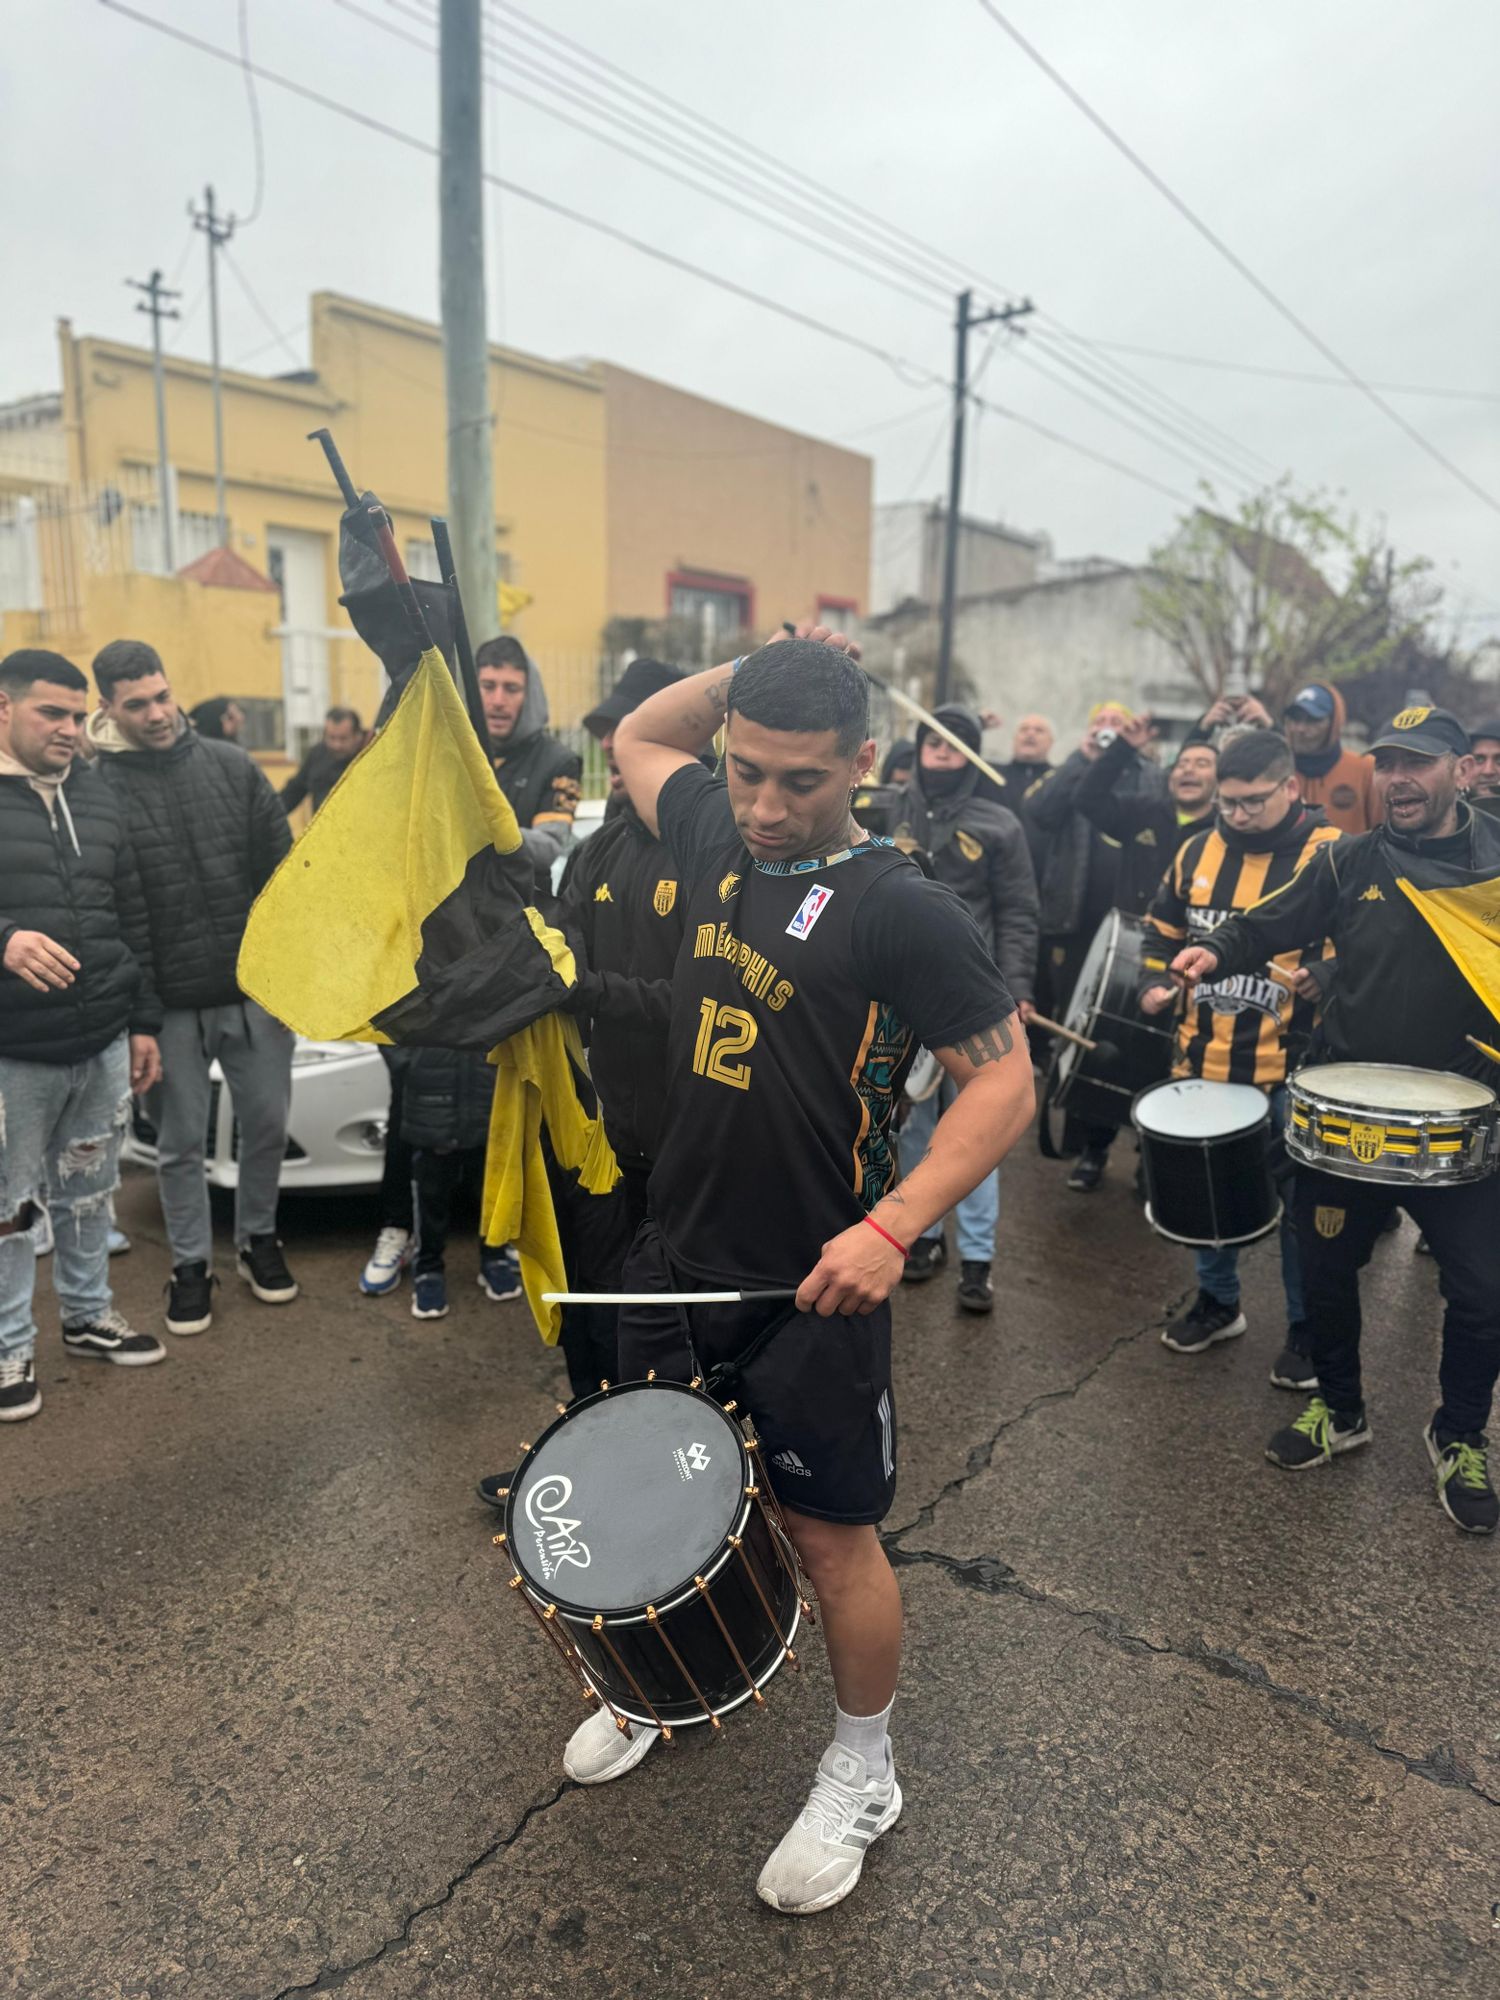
(819, 1391)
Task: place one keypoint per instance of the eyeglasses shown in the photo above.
(1252, 804)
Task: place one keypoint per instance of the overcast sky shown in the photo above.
(1346, 152)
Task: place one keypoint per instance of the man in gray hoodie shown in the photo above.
(539, 775)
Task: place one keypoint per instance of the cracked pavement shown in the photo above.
(1171, 1722)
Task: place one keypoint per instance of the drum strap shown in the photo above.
(722, 1379)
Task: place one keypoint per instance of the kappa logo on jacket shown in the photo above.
(602, 895)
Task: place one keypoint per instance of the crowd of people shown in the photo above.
(758, 966)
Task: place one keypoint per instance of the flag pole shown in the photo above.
(468, 674)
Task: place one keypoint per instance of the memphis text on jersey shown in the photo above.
(760, 978)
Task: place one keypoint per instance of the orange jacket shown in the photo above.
(1345, 791)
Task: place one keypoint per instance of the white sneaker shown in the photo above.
(599, 1749)
(41, 1232)
(389, 1258)
(819, 1861)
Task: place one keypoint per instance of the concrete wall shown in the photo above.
(695, 488)
(1054, 647)
(908, 556)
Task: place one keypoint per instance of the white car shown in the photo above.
(341, 1100)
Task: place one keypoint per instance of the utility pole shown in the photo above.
(966, 322)
(466, 356)
(155, 304)
(218, 229)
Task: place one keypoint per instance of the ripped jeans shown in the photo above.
(61, 1125)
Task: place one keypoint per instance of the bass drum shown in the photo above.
(1097, 1086)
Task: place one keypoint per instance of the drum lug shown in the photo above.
(498, 1541)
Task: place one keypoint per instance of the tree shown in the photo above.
(1246, 599)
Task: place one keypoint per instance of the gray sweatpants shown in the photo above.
(255, 1053)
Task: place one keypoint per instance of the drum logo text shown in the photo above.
(1366, 1142)
(695, 1459)
(556, 1538)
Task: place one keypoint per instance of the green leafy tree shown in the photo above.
(1284, 590)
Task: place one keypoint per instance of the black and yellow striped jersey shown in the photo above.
(1237, 1030)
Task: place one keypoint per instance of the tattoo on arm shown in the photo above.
(989, 1045)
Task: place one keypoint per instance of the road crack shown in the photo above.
(334, 1976)
(1441, 1765)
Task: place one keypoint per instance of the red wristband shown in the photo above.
(887, 1235)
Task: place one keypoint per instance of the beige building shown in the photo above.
(615, 497)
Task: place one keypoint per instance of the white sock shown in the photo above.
(866, 1736)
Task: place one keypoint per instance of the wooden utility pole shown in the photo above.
(155, 304)
(965, 323)
(466, 357)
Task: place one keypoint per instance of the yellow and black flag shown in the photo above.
(396, 919)
(1462, 904)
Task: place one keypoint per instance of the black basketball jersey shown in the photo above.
(800, 993)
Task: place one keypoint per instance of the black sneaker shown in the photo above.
(190, 1298)
(1463, 1479)
(975, 1292)
(19, 1395)
(494, 1489)
(1204, 1324)
(1088, 1171)
(264, 1270)
(928, 1256)
(113, 1338)
(1316, 1437)
(1291, 1369)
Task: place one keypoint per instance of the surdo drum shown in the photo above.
(646, 1542)
(1387, 1122)
(1097, 1085)
(1206, 1155)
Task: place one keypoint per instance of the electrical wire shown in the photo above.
(1293, 374)
(1236, 262)
(260, 312)
(247, 69)
(913, 373)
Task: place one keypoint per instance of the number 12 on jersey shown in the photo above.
(723, 1034)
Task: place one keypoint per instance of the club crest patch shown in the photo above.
(1329, 1221)
(812, 906)
(1367, 1143)
(665, 897)
(1410, 718)
(728, 886)
(967, 845)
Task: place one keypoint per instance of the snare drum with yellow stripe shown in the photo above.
(1387, 1122)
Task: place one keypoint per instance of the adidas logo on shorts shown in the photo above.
(789, 1462)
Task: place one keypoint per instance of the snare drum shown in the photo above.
(1388, 1122)
(1206, 1156)
(646, 1542)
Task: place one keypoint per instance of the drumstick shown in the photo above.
(1068, 1034)
(1483, 1048)
(930, 721)
(663, 1298)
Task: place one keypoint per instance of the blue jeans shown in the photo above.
(1219, 1270)
(62, 1125)
(979, 1212)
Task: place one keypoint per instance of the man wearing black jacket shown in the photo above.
(1400, 996)
(78, 1021)
(979, 849)
(1147, 828)
(208, 832)
(342, 740)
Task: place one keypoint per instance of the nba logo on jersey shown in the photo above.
(813, 904)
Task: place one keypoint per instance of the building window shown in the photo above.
(842, 613)
(719, 606)
(193, 535)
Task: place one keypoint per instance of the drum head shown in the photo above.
(1088, 991)
(627, 1498)
(1391, 1087)
(1188, 1108)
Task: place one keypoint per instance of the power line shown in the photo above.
(1236, 262)
(908, 371)
(255, 130)
(260, 312)
(1294, 374)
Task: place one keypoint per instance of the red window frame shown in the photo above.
(707, 579)
(838, 605)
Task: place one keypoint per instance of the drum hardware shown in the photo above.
(1393, 1124)
(660, 1646)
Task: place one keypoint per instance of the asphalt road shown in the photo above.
(1172, 1722)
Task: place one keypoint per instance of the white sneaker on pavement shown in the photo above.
(819, 1861)
(599, 1749)
(389, 1258)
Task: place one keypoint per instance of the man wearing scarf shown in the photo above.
(1413, 911)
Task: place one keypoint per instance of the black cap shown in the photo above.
(1430, 732)
(1485, 732)
(641, 679)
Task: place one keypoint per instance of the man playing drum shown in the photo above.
(1238, 1030)
(1410, 993)
(815, 958)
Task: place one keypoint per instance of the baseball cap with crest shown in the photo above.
(1430, 732)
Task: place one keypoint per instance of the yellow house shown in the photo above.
(615, 497)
